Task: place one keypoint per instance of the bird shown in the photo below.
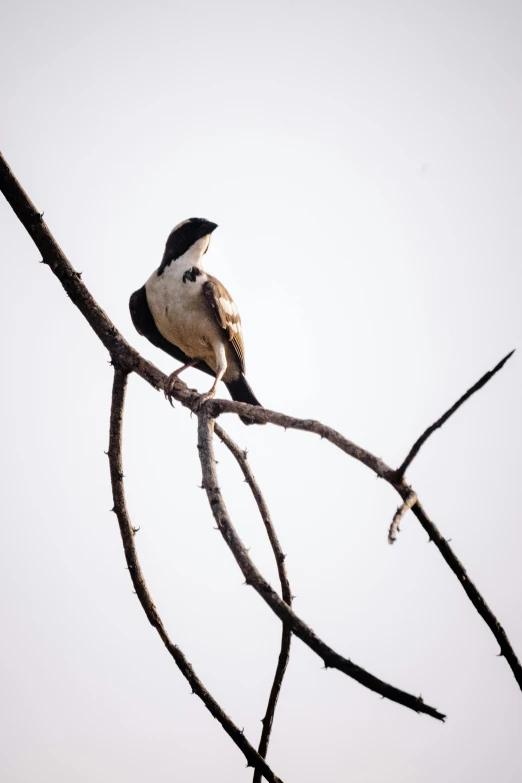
(190, 315)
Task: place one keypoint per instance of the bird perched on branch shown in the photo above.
(191, 316)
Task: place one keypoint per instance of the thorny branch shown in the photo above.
(127, 360)
(252, 577)
(138, 580)
(425, 435)
(286, 593)
(216, 407)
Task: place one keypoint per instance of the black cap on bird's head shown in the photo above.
(184, 235)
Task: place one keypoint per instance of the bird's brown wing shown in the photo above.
(226, 314)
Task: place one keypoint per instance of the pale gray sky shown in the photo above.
(363, 161)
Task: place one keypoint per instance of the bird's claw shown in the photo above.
(203, 398)
(168, 388)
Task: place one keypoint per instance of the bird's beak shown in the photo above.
(209, 227)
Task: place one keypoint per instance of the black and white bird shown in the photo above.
(191, 316)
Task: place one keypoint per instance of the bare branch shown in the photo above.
(263, 509)
(52, 255)
(138, 580)
(268, 720)
(286, 635)
(384, 471)
(128, 358)
(425, 435)
(282, 610)
(471, 591)
(216, 407)
(394, 527)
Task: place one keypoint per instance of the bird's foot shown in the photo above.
(170, 383)
(171, 380)
(205, 398)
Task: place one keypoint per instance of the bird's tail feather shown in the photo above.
(240, 391)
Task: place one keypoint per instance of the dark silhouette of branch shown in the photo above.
(215, 407)
(286, 593)
(129, 360)
(282, 610)
(425, 435)
(506, 650)
(138, 580)
(394, 527)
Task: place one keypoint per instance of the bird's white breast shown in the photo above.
(180, 310)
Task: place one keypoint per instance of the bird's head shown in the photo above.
(192, 233)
